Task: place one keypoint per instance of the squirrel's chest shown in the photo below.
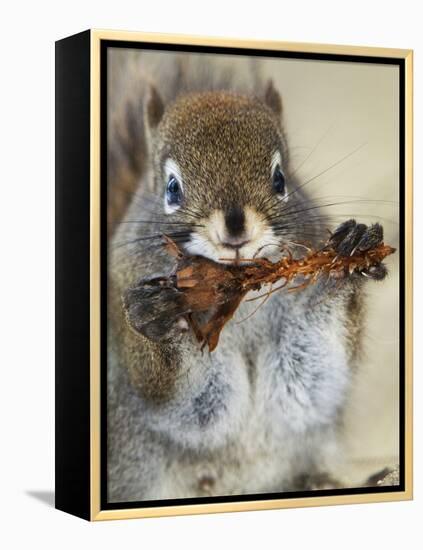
(293, 368)
(276, 407)
(262, 405)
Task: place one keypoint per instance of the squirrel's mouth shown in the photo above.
(245, 251)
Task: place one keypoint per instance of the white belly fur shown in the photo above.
(275, 408)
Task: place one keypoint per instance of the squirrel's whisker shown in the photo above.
(337, 163)
(155, 236)
(302, 185)
(313, 150)
(185, 224)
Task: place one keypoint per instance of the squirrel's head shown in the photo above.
(219, 163)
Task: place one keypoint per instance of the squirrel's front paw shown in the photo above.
(351, 237)
(154, 311)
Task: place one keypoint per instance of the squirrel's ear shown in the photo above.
(273, 99)
(154, 108)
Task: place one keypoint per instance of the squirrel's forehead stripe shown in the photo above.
(172, 168)
(276, 160)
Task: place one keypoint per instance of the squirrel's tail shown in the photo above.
(131, 72)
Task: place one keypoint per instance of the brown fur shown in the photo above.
(241, 124)
(198, 127)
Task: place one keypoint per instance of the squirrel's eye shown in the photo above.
(279, 184)
(173, 191)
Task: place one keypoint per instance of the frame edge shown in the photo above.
(72, 451)
(96, 514)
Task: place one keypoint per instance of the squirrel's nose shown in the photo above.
(235, 223)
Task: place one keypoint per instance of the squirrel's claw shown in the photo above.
(351, 237)
(154, 311)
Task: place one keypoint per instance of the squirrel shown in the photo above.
(210, 167)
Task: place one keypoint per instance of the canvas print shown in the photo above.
(253, 299)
